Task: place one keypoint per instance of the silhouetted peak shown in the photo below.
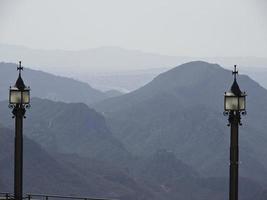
(194, 68)
(189, 75)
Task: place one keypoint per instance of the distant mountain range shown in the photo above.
(113, 93)
(85, 61)
(160, 177)
(181, 111)
(109, 68)
(45, 85)
(55, 174)
(166, 140)
(73, 128)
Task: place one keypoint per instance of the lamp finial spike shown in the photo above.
(20, 68)
(235, 72)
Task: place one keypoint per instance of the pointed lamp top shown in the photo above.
(20, 83)
(235, 87)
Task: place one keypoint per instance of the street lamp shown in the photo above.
(19, 100)
(234, 106)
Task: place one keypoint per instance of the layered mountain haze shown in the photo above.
(56, 174)
(45, 85)
(113, 93)
(41, 171)
(166, 140)
(108, 68)
(163, 167)
(181, 111)
(177, 179)
(69, 128)
(89, 60)
(161, 176)
(37, 163)
(126, 100)
(96, 176)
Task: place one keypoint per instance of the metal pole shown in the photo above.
(234, 120)
(18, 112)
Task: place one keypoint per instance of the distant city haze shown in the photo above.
(207, 28)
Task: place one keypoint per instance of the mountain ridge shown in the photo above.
(181, 110)
(46, 85)
(69, 128)
(190, 132)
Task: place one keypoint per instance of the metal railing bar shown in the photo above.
(30, 196)
(68, 197)
(6, 195)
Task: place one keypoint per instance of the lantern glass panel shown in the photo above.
(15, 96)
(231, 103)
(19, 97)
(26, 97)
(242, 103)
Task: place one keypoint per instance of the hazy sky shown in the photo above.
(172, 27)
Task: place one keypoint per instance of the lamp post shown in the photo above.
(234, 106)
(19, 100)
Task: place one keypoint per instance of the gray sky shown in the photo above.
(171, 27)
